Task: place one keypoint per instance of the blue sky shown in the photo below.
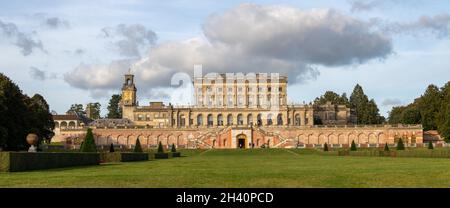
(77, 51)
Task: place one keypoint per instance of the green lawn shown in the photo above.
(246, 168)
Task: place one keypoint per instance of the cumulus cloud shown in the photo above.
(130, 40)
(24, 41)
(438, 25)
(359, 5)
(55, 23)
(253, 38)
(391, 102)
(98, 77)
(41, 75)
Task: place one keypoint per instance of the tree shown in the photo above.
(353, 147)
(430, 145)
(114, 109)
(386, 147)
(93, 110)
(367, 111)
(332, 97)
(325, 147)
(111, 148)
(137, 147)
(400, 145)
(429, 104)
(89, 142)
(21, 115)
(75, 109)
(411, 115)
(41, 118)
(396, 115)
(174, 149)
(160, 148)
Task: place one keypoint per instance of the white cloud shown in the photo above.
(251, 38)
(130, 40)
(391, 102)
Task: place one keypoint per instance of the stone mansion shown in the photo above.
(236, 111)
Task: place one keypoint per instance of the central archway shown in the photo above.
(241, 141)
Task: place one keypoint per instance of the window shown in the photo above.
(269, 89)
(140, 117)
(219, 89)
(240, 89)
(280, 89)
(230, 89)
(148, 117)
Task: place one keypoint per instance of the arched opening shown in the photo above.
(220, 120)
(240, 120)
(279, 119)
(229, 119)
(241, 141)
(250, 119)
(269, 120)
(210, 120)
(200, 120)
(71, 125)
(56, 125)
(63, 125)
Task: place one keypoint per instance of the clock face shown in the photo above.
(127, 96)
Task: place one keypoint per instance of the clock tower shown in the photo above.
(129, 91)
(128, 102)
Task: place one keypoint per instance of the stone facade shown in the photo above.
(233, 112)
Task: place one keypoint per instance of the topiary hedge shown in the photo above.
(23, 161)
(110, 157)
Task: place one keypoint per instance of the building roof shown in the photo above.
(65, 117)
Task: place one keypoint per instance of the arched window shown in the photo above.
(200, 120)
(220, 120)
(250, 119)
(279, 119)
(240, 120)
(229, 119)
(297, 120)
(210, 120)
(269, 120)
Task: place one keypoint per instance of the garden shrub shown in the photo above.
(137, 147)
(400, 145)
(353, 147)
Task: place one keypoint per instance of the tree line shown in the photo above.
(21, 115)
(114, 109)
(366, 109)
(431, 109)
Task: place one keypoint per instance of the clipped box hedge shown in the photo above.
(23, 161)
(175, 154)
(161, 155)
(109, 157)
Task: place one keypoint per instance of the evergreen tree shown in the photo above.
(353, 147)
(173, 148)
(89, 143)
(430, 145)
(367, 111)
(76, 109)
(386, 147)
(114, 109)
(137, 147)
(325, 147)
(111, 148)
(400, 145)
(160, 148)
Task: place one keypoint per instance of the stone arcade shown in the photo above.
(239, 111)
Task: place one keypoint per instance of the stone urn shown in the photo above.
(32, 140)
